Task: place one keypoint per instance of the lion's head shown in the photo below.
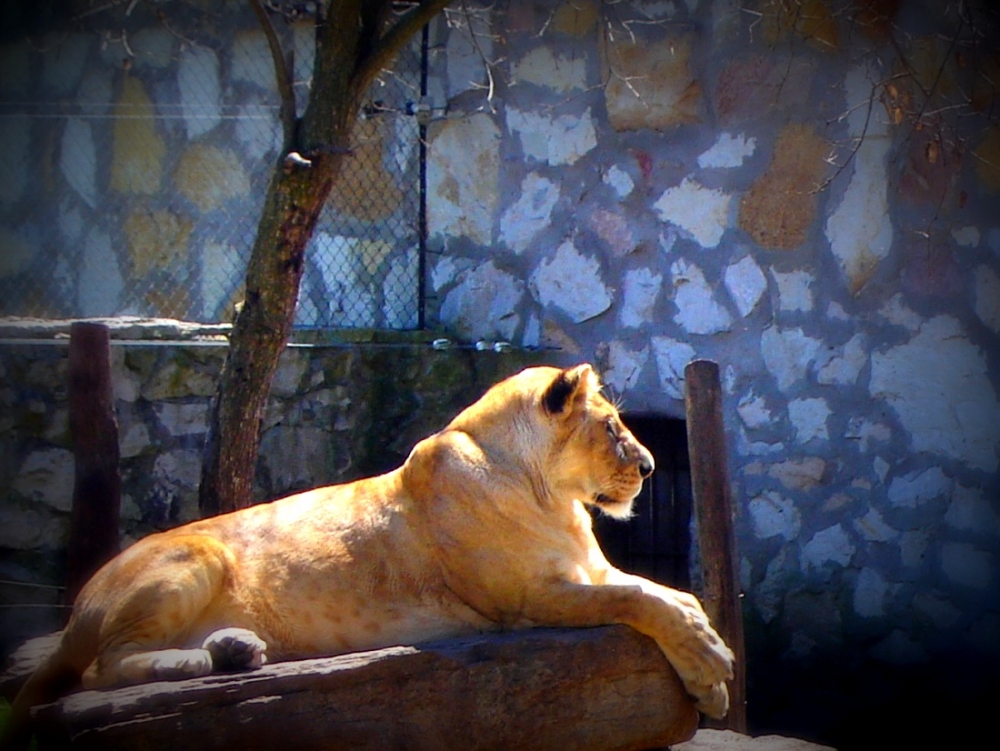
(559, 424)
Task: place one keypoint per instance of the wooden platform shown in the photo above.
(604, 689)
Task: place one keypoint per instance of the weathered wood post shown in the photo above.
(714, 513)
(93, 537)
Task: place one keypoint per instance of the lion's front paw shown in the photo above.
(712, 700)
(236, 649)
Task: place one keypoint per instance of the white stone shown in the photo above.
(753, 411)
(844, 368)
(703, 213)
(970, 511)
(625, 366)
(967, 237)
(176, 475)
(154, 48)
(836, 311)
(178, 418)
(774, 516)
(870, 594)
(200, 90)
(697, 310)
(462, 176)
(728, 151)
(619, 180)
(251, 60)
(571, 282)
(881, 467)
(808, 417)
(794, 291)
(898, 313)
(257, 129)
(860, 228)
(641, 288)
(988, 297)
(831, 545)
(938, 384)
(220, 269)
(672, 357)
(399, 309)
(100, 283)
(912, 547)
(133, 440)
(937, 608)
(787, 353)
(530, 214)
(746, 284)
(78, 159)
(47, 476)
(917, 488)
(542, 68)
(484, 303)
(27, 529)
(558, 140)
(967, 565)
(873, 528)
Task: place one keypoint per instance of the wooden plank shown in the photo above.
(94, 536)
(714, 512)
(603, 689)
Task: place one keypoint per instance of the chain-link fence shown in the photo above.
(136, 143)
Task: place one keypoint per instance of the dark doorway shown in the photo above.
(656, 541)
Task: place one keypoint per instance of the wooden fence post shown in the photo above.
(713, 510)
(94, 537)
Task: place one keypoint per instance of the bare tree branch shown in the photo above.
(399, 34)
(281, 72)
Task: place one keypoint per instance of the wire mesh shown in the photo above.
(137, 141)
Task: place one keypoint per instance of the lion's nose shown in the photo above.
(646, 464)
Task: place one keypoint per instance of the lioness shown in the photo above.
(483, 527)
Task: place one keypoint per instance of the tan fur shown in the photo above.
(483, 527)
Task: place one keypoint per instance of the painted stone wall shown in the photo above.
(805, 192)
(139, 140)
(777, 187)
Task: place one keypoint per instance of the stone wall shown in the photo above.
(341, 407)
(782, 188)
(805, 192)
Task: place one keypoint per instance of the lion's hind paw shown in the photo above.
(235, 649)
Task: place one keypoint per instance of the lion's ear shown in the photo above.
(568, 389)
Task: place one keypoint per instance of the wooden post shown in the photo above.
(713, 510)
(93, 537)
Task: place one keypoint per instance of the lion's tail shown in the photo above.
(56, 675)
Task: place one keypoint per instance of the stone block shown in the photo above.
(138, 149)
(650, 84)
(780, 207)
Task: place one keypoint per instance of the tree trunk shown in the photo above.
(353, 43)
